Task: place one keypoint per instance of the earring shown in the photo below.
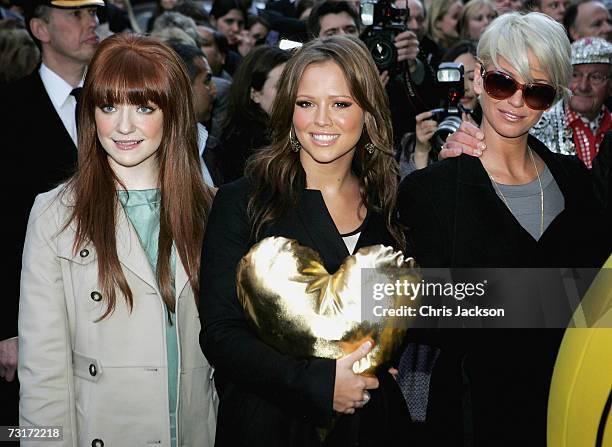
(369, 147)
(294, 142)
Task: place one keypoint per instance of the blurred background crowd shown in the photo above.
(409, 40)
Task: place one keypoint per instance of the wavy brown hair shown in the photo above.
(276, 173)
(130, 69)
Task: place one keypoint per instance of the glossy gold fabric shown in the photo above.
(302, 310)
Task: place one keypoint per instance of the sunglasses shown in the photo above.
(500, 85)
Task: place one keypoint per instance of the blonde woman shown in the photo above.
(518, 205)
(474, 18)
(442, 19)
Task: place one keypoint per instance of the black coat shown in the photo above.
(455, 218)
(40, 154)
(490, 386)
(267, 398)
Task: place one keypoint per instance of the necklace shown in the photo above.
(501, 194)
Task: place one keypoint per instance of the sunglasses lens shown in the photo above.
(539, 96)
(499, 86)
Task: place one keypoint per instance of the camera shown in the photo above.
(450, 80)
(383, 22)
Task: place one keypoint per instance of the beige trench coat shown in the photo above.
(104, 382)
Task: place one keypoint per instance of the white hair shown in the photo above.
(512, 35)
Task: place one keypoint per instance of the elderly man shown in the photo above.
(588, 18)
(577, 126)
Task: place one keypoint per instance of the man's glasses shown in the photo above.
(595, 79)
(500, 85)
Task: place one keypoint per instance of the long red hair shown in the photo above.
(136, 70)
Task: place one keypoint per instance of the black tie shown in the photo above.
(76, 92)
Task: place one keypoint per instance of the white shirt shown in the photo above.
(202, 137)
(59, 93)
(350, 240)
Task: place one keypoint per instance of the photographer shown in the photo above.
(392, 38)
(330, 17)
(409, 69)
(416, 147)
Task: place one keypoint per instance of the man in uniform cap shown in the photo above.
(577, 126)
(39, 143)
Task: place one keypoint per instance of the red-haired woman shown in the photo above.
(108, 322)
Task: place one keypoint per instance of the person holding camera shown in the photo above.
(332, 17)
(420, 148)
(393, 46)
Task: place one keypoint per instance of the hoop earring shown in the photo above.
(369, 147)
(294, 142)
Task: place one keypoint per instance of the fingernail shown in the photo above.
(478, 153)
(482, 146)
(480, 135)
(367, 344)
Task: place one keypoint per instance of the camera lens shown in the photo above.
(383, 52)
(449, 125)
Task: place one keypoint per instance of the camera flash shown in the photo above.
(449, 75)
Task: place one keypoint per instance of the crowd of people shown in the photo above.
(155, 154)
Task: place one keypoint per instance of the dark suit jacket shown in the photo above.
(490, 386)
(40, 153)
(267, 398)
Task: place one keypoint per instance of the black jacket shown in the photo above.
(39, 152)
(455, 218)
(267, 398)
(490, 386)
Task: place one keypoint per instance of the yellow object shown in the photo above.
(302, 310)
(581, 389)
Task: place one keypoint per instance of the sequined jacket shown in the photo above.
(554, 131)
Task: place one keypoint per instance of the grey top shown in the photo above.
(524, 202)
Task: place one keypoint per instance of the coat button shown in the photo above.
(93, 371)
(97, 443)
(84, 253)
(96, 296)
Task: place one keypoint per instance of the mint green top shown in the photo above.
(143, 208)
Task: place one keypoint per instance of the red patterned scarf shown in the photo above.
(586, 143)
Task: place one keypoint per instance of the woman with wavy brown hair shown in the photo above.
(108, 317)
(328, 181)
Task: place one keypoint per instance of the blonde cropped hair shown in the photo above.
(511, 36)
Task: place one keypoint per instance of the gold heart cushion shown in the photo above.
(301, 310)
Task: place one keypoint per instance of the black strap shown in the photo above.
(602, 422)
